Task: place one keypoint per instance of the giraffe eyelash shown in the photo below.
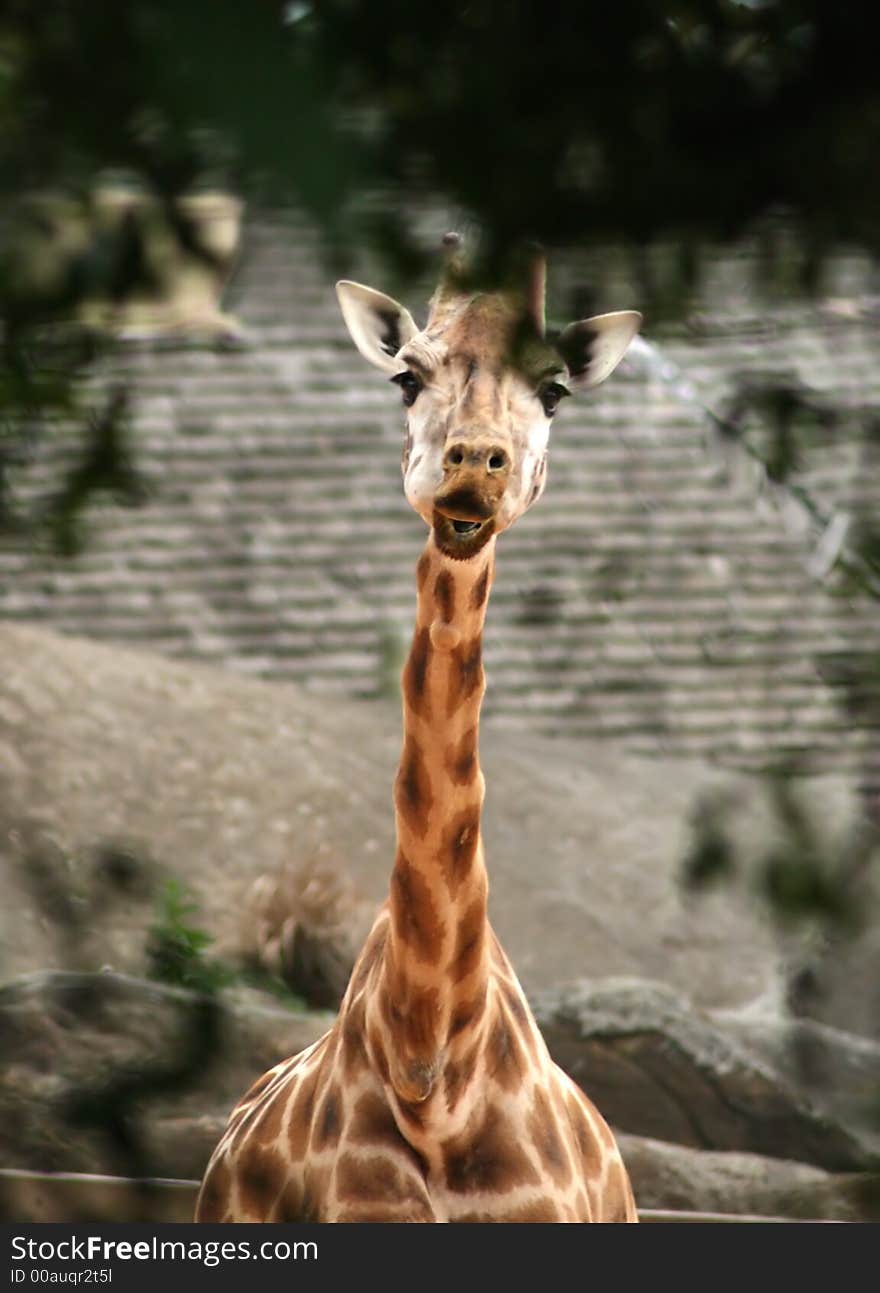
(551, 395)
(409, 384)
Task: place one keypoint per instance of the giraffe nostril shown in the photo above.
(488, 457)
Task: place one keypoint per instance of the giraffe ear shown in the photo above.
(593, 348)
(379, 326)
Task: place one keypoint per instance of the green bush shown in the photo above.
(176, 947)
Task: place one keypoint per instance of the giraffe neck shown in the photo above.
(436, 959)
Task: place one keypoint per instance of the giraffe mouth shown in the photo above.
(460, 538)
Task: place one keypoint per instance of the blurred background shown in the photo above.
(206, 566)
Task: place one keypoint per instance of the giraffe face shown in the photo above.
(480, 386)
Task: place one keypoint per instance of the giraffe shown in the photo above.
(433, 1096)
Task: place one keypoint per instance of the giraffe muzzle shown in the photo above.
(476, 469)
(471, 492)
(466, 500)
(464, 516)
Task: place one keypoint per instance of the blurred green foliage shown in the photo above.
(177, 948)
(177, 952)
(686, 121)
(803, 880)
(689, 122)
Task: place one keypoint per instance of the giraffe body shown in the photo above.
(321, 1137)
(433, 1096)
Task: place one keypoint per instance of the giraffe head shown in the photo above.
(480, 384)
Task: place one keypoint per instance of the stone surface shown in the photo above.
(93, 1063)
(837, 1070)
(658, 1067)
(694, 1180)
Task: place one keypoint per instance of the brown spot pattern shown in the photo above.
(470, 941)
(444, 593)
(294, 1204)
(260, 1174)
(300, 1123)
(422, 570)
(240, 1126)
(412, 789)
(465, 1015)
(616, 1195)
(461, 758)
(458, 847)
(414, 1022)
(414, 1112)
(457, 1076)
(214, 1194)
(414, 912)
(272, 1119)
(544, 1131)
(465, 674)
(505, 1061)
(415, 671)
(354, 1053)
(480, 590)
(375, 1179)
(492, 1159)
(372, 1124)
(328, 1121)
(377, 1049)
(585, 1138)
(316, 1188)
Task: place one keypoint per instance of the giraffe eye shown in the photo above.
(409, 385)
(550, 397)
